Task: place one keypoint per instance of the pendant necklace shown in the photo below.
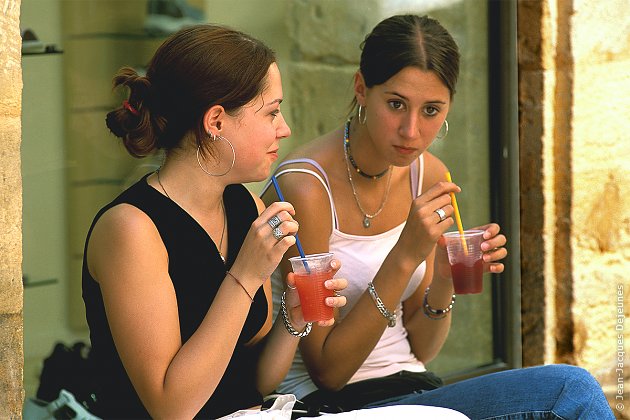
(157, 172)
(366, 216)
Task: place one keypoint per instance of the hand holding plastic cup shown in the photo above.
(311, 271)
(466, 260)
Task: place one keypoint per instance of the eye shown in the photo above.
(431, 110)
(275, 113)
(395, 104)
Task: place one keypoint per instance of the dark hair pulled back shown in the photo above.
(193, 70)
(409, 40)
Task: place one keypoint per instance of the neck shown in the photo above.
(362, 154)
(187, 185)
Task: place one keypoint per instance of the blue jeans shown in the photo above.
(543, 392)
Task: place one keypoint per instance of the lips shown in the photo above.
(405, 150)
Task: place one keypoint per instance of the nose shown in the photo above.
(410, 126)
(283, 130)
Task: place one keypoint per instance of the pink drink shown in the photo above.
(313, 295)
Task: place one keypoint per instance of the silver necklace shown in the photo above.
(366, 216)
(157, 172)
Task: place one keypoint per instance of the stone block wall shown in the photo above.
(574, 89)
(600, 213)
(11, 350)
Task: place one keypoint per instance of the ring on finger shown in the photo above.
(277, 233)
(274, 222)
(441, 214)
(291, 287)
(336, 293)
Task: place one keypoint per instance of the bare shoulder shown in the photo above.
(307, 193)
(123, 233)
(434, 170)
(321, 149)
(124, 221)
(302, 188)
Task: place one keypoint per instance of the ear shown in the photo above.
(359, 88)
(213, 119)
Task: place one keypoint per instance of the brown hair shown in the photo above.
(409, 40)
(194, 69)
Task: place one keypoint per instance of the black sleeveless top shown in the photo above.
(197, 271)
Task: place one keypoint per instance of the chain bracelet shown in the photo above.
(389, 316)
(432, 313)
(287, 323)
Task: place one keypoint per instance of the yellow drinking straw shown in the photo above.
(458, 218)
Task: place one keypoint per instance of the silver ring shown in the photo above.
(441, 214)
(277, 233)
(274, 222)
(336, 293)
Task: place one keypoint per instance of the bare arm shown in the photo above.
(127, 257)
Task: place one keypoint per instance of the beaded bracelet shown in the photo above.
(287, 323)
(435, 314)
(390, 317)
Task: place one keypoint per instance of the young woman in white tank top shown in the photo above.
(371, 192)
(354, 194)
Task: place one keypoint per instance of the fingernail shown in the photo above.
(486, 257)
(486, 235)
(329, 284)
(330, 301)
(333, 264)
(485, 246)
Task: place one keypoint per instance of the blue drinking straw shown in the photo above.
(297, 240)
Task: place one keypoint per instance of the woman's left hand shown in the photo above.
(293, 300)
(493, 248)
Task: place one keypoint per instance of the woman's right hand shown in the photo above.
(424, 225)
(334, 284)
(261, 252)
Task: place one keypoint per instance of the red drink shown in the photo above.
(313, 295)
(467, 279)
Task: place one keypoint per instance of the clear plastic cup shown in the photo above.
(310, 274)
(466, 263)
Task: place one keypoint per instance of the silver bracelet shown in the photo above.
(390, 317)
(287, 323)
(432, 313)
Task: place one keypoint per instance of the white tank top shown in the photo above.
(392, 353)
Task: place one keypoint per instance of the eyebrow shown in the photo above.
(278, 101)
(405, 98)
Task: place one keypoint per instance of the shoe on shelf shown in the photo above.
(165, 17)
(30, 42)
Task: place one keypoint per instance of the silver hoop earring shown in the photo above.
(362, 115)
(215, 138)
(212, 136)
(443, 131)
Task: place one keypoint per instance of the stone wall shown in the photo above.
(11, 352)
(600, 189)
(574, 90)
